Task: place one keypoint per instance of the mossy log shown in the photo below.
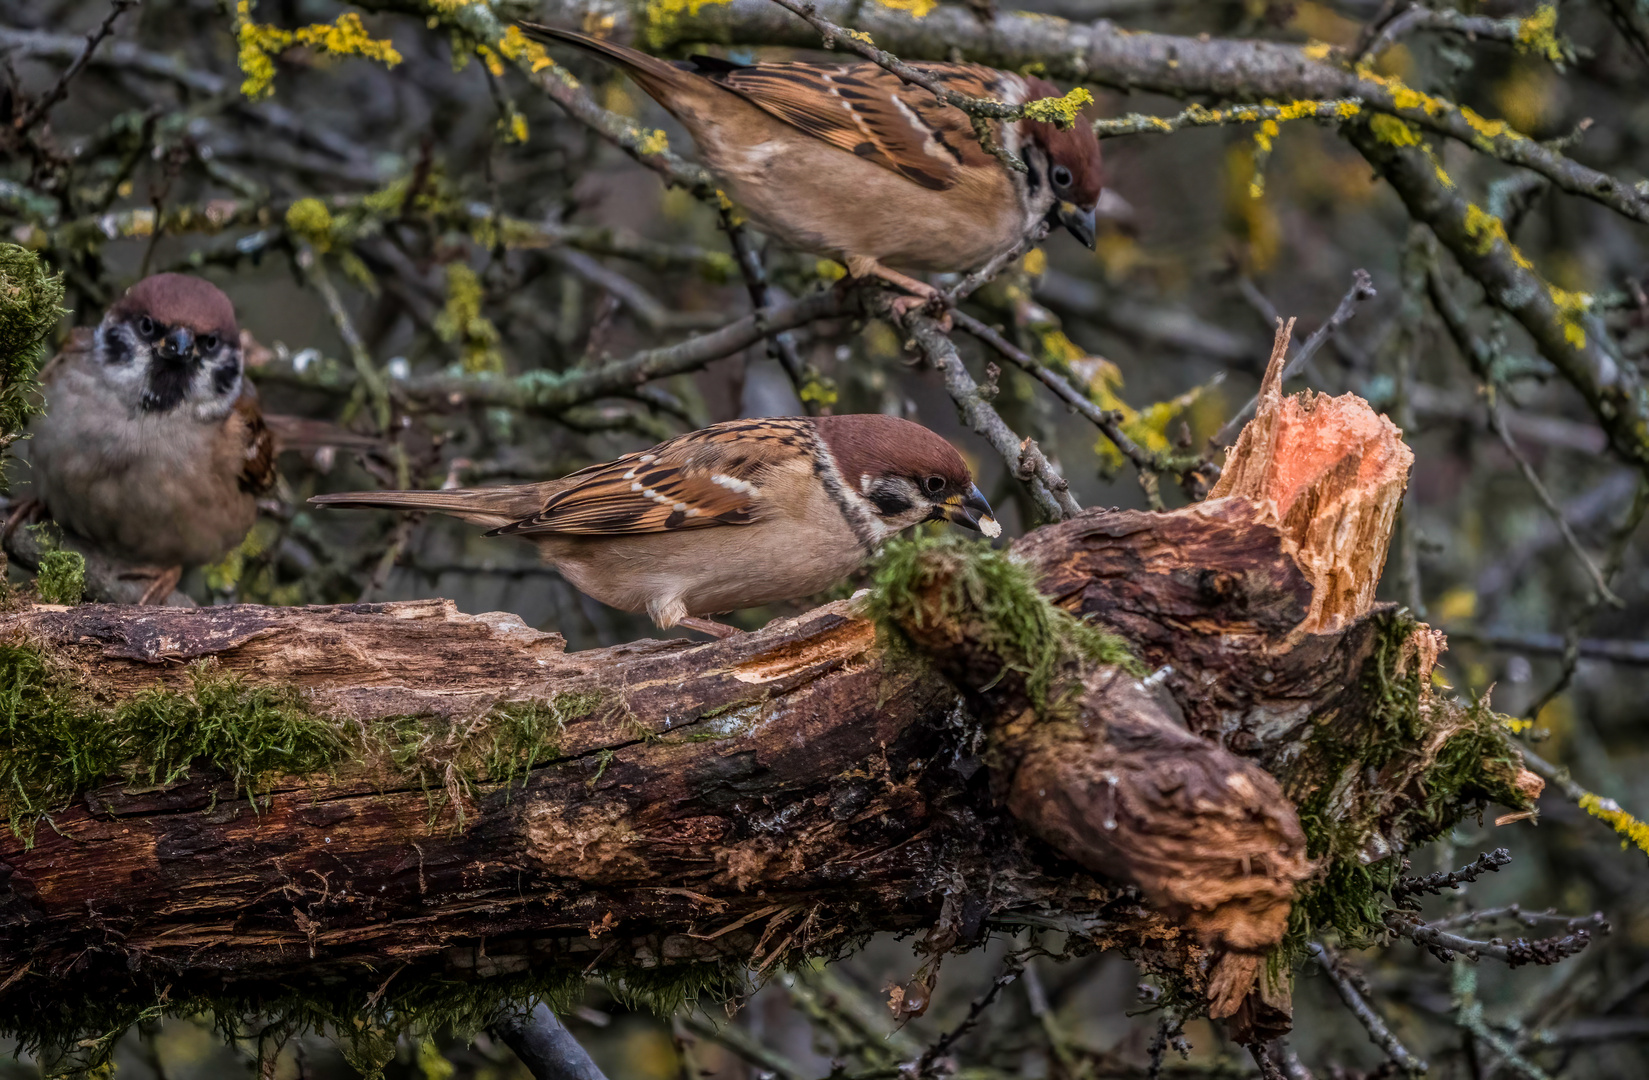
(677, 808)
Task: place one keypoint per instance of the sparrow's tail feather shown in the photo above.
(492, 507)
(653, 74)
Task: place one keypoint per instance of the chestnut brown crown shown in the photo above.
(180, 300)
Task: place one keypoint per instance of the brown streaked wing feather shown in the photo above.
(257, 473)
(868, 111)
(673, 485)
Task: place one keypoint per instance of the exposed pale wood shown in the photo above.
(1331, 472)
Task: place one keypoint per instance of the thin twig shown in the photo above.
(780, 346)
(1444, 944)
(1378, 1032)
(1024, 458)
(1434, 884)
(1012, 966)
(1202, 116)
(1362, 288)
(58, 90)
(1498, 422)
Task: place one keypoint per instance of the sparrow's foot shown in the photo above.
(709, 626)
(26, 512)
(923, 295)
(161, 587)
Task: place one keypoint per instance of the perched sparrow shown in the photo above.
(849, 161)
(735, 515)
(152, 448)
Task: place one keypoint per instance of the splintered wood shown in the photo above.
(1332, 473)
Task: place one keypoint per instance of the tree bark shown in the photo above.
(778, 794)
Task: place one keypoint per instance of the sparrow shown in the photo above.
(851, 162)
(735, 515)
(152, 448)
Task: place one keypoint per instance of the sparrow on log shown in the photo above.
(851, 162)
(153, 449)
(735, 515)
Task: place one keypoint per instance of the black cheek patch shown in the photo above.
(889, 503)
(225, 375)
(116, 349)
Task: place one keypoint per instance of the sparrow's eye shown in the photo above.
(1062, 176)
(207, 342)
(146, 326)
(934, 484)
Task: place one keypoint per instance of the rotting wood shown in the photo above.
(780, 793)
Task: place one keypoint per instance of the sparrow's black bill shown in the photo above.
(1078, 222)
(972, 512)
(177, 344)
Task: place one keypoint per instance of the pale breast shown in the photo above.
(149, 489)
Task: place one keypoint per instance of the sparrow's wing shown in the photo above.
(705, 478)
(871, 112)
(246, 429)
(82, 339)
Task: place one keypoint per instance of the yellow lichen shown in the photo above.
(1035, 262)
(515, 127)
(1570, 307)
(860, 35)
(1389, 129)
(916, 9)
(1317, 50)
(830, 269)
(493, 62)
(258, 43)
(662, 18)
(1061, 111)
(1538, 34)
(1263, 137)
(1609, 811)
(653, 142)
(523, 50)
(312, 221)
(461, 321)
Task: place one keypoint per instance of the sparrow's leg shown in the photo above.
(709, 626)
(26, 512)
(162, 586)
(925, 295)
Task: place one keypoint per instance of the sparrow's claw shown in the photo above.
(709, 626)
(26, 512)
(904, 305)
(161, 587)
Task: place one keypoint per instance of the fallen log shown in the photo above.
(377, 815)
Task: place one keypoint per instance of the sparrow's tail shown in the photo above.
(490, 507)
(657, 77)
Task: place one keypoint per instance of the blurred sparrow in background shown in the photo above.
(735, 515)
(851, 162)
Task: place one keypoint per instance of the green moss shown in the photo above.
(56, 741)
(1476, 766)
(996, 595)
(30, 299)
(61, 578)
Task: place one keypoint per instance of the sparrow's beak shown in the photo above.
(971, 511)
(178, 344)
(1078, 221)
